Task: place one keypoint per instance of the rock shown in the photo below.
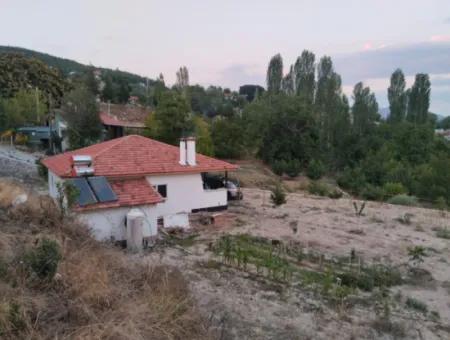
(20, 199)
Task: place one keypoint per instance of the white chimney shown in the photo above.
(190, 147)
(183, 151)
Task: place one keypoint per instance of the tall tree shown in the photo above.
(329, 102)
(91, 82)
(287, 84)
(364, 110)
(275, 74)
(108, 90)
(419, 99)
(304, 73)
(171, 119)
(182, 77)
(81, 112)
(397, 97)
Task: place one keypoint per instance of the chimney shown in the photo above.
(183, 151)
(82, 165)
(190, 148)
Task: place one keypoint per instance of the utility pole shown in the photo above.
(37, 104)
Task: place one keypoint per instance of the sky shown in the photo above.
(230, 42)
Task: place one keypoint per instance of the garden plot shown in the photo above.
(315, 269)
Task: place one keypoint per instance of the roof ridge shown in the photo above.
(119, 141)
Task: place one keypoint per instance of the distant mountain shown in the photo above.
(384, 112)
(67, 66)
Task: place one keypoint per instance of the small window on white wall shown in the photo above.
(162, 189)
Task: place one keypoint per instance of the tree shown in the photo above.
(275, 74)
(287, 83)
(419, 99)
(123, 92)
(304, 73)
(227, 135)
(20, 73)
(364, 110)
(397, 97)
(203, 135)
(91, 82)
(108, 90)
(81, 112)
(250, 91)
(25, 107)
(182, 77)
(171, 119)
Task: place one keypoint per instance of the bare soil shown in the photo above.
(242, 305)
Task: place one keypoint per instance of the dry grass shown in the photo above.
(98, 291)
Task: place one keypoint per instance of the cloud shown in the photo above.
(236, 75)
(447, 20)
(440, 38)
(429, 57)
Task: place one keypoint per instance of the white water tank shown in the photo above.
(135, 225)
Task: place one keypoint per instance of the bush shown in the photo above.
(42, 170)
(315, 170)
(279, 167)
(43, 260)
(373, 193)
(293, 168)
(278, 197)
(392, 189)
(443, 233)
(352, 179)
(403, 200)
(318, 188)
(417, 305)
(335, 194)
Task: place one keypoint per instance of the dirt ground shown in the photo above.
(242, 306)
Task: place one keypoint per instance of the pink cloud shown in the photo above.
(440, 38)
(367, 46)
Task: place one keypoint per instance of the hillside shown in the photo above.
(66, 66)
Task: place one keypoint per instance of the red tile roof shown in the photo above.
(127, 115)
(133, 156)
(108, 119)
(130, 192)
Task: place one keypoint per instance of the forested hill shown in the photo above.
(66, 65)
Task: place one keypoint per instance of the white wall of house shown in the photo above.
(109, 224)
(184, 193)
(53, 180)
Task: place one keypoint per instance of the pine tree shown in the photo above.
(275, 74)
(397, 97)
(304, 72)
(419, 99)
(364, 110)
(108, 90)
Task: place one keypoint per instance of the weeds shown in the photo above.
(278, 196)
(443, 233)
(43, 261)
(359, 209)
(416, 305)
(416, 255)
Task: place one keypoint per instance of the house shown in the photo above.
(164, 182)
(118, 119)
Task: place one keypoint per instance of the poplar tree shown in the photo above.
(182, 77)
(364, 110)
(419, 99)
(397, 97)
(304, 73)
(275, 74)
(287, 84)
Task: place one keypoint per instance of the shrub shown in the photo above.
(392, 189)
(403, 200)
(42, 170)
(293, 168)
(352, 179)
(315, 170)
(318, 188)
(335, 193)
(441, 203)
(417, 305)
(44, 259)
(443, 233)
(373, 193)
(278, 197)
(279, 167)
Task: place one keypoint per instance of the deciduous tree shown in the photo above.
(275, 74)
(397, 97)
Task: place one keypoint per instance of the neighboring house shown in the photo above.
(443, 133)
(163, 181)
(119, 120)
(38, 136)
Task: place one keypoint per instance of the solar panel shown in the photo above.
(102, 189)
(86, 196)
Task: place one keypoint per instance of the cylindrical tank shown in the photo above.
(135, 225)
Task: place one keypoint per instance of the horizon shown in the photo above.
(230, 44)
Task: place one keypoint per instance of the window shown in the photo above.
(162, 190)
(160, 222)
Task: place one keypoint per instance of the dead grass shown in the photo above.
(98, 292)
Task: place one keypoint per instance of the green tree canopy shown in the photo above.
(364, 110)
(304, 71)
(419, 99)
(397, 97)
(275, 74)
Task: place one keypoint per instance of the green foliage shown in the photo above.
(318, 188)
(403, 200)
(304, 70)
(293, 168)
(372, 276)
(42, 169)
(43, 260)
(443, 233)
(419, 100)
(364, 110)
(278, 196)
(67, 197)
(397, 97)
(316, 169)
(81, 113)
(393, 189)
(373, 193)
(171, 119)
(416, 305)
(352, 179)
(275, 74)
(279, 167)
(204, 143)
(416, 254)
(228, 137)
